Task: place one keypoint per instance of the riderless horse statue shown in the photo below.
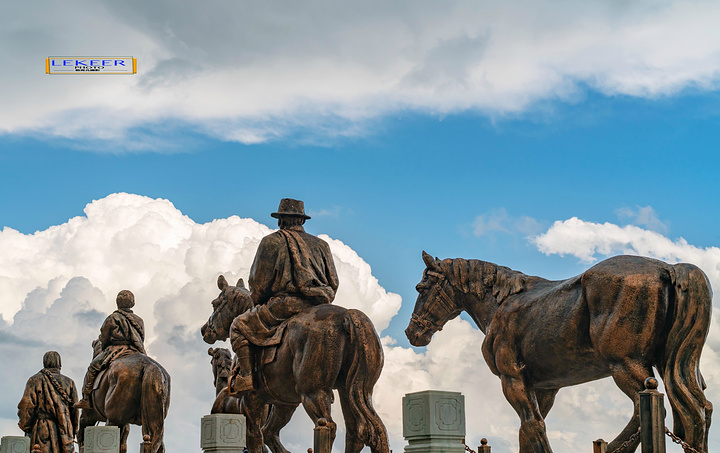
(324, 348)
(620, 318)
(134, 389)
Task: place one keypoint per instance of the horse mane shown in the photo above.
(473, 276)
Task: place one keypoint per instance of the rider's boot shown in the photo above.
(84, 403)
(242, 380)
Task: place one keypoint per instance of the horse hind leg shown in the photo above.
(278, 417)
(630, 378)
(317, 405)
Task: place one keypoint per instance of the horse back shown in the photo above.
(312, 351)
(122, 391)
(615, 310)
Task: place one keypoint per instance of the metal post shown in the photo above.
(36, 448)
(322, 442)
(599, 446)
(146, 445)
(652, 418)
(484, 447)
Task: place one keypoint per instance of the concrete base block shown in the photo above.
(102, 439)
(15, 444)
(223, 433)
(434, 422)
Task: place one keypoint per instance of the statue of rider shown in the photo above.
(292, 271)
(122, 333)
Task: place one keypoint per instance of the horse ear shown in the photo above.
(429, 260)
(222, 283)
(211, 351)
(241, 283)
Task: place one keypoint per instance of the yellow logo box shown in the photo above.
(91, 65)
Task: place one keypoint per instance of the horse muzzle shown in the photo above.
(209, 335)
(416, 338)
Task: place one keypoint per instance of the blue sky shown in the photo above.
(416, 181)
(474, 130)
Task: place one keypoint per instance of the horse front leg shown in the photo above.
(124, 433)
(254, 411)
(533, 438)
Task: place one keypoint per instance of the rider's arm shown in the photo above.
(27, 406)
(109, 330)
(330, 271)
(262, 272)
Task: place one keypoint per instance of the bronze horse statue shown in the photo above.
(134, 389)
(620, 318)
(324, 348)
(222, 364)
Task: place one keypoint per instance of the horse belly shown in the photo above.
(553, 341)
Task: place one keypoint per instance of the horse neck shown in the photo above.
(469, 277)
(238, 303)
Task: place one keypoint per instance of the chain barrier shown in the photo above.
(468, 449)
(686, 448)
(625, 445)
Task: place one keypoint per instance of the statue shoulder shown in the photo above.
(35, 379)
(315, 241)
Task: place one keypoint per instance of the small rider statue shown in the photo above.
(292, 271)
(122, 333)
(46, 409)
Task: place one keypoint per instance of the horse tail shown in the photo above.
(365, 360)
(680, 369)
(155, 403)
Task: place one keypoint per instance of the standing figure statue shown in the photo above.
(46, 409)
(292, 271)
(122, 333)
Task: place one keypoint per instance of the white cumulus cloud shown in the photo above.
(57, 286)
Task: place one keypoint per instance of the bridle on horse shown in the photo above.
(438, 298)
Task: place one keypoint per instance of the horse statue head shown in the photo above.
(435, 304)
(232, 301)
(221, 363)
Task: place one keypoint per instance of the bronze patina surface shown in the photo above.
(620, 318)
(46, 411)
(123, 385)
(292, 346)
(325, 347)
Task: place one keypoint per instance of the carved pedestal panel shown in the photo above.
(223, 433)
(15, 444)
(102, 439)
(434, 422)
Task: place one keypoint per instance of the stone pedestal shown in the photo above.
(15, 444)
(102, 439)
(223, 433)
(434, 422)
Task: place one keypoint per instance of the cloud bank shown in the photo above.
(254, 72)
